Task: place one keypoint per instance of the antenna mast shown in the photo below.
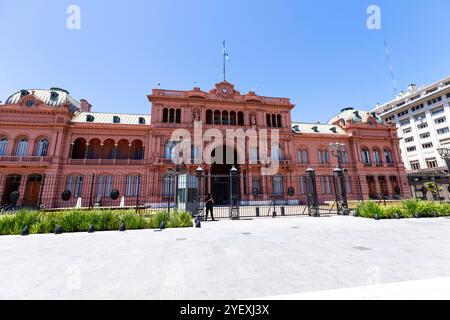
(388, 56)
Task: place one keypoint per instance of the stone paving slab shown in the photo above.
(226, 259)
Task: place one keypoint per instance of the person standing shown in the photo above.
(209, 204)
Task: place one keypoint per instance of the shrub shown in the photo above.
(444, 209)
(410, 208)
(369, 210)
(79, 221)
(158, 218)
(180, 220)
(392, 212)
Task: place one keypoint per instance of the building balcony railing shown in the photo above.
(27, 159)
(105, 162)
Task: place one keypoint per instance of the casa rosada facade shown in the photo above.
(47, 135)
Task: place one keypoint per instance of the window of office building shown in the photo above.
(427, 145)
(440, 120)
(443, 131)
(420, 117)
(432, 163)
(405, 122)
(409, 139)
(420, 106)
(422, 125)
(437, 111)
(415, 165)
(411, 149)
(425, 135)
(408, 130)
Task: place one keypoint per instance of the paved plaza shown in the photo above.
(286, 258)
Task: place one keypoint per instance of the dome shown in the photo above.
(54, 97)
(356, 116)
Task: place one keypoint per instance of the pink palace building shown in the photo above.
(51, 142)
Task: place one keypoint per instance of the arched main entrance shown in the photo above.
(220, 175)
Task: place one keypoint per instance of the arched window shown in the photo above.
(376, 156)
(268, 121)
(388, 156)
(274, 121)
(303, 156)
(42, 148)
(165, 118)
(178, 116)
(280, 123)
(225, 118)
(209, 117)
(232, 118)
(3, 146)
(79, 149)
(22, 148)
(217, 117)
(172, 116)
(137, 150)
(240, 118)
(365, 155)
(276, 152)
(277, 185)
(323, 156)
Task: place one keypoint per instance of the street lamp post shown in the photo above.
(338, 150)
(234, 207)
(199, 172)
(173, 144)
(169, 192)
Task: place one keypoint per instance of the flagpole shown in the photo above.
(224, 62)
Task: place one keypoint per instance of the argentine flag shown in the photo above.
(225, 54)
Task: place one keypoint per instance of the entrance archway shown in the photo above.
(220, 175)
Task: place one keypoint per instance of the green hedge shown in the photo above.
(408, 209)
(80, 221)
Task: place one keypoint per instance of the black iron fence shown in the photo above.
(234, 195)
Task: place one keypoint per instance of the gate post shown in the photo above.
(313, 202)
(42, 191)
(91, 206)
(234, 202)
(341, 194)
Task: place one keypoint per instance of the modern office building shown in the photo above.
(422, 116)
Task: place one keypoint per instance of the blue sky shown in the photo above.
(318, 53)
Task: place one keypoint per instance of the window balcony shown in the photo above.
(26, 159)
(105, 162)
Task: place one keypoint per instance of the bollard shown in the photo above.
(257, 211)
(25, 232)
(91, 229)
(122, 228)
(59, 230)
(283, 212)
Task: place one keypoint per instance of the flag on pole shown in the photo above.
(225, 54)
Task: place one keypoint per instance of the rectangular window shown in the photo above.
(302, 185)
(133, 185)
(427, 145)
(420, 117)
(437, 111)
(425, 135)
(409, 139)
(443, 131)
(415, 165)
(422, 125)
(432, 163)
(440, 120)
(405, 122)
(256, 185)
(411, 149)
(408, 130)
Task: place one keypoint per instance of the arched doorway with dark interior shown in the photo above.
(220, 174)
